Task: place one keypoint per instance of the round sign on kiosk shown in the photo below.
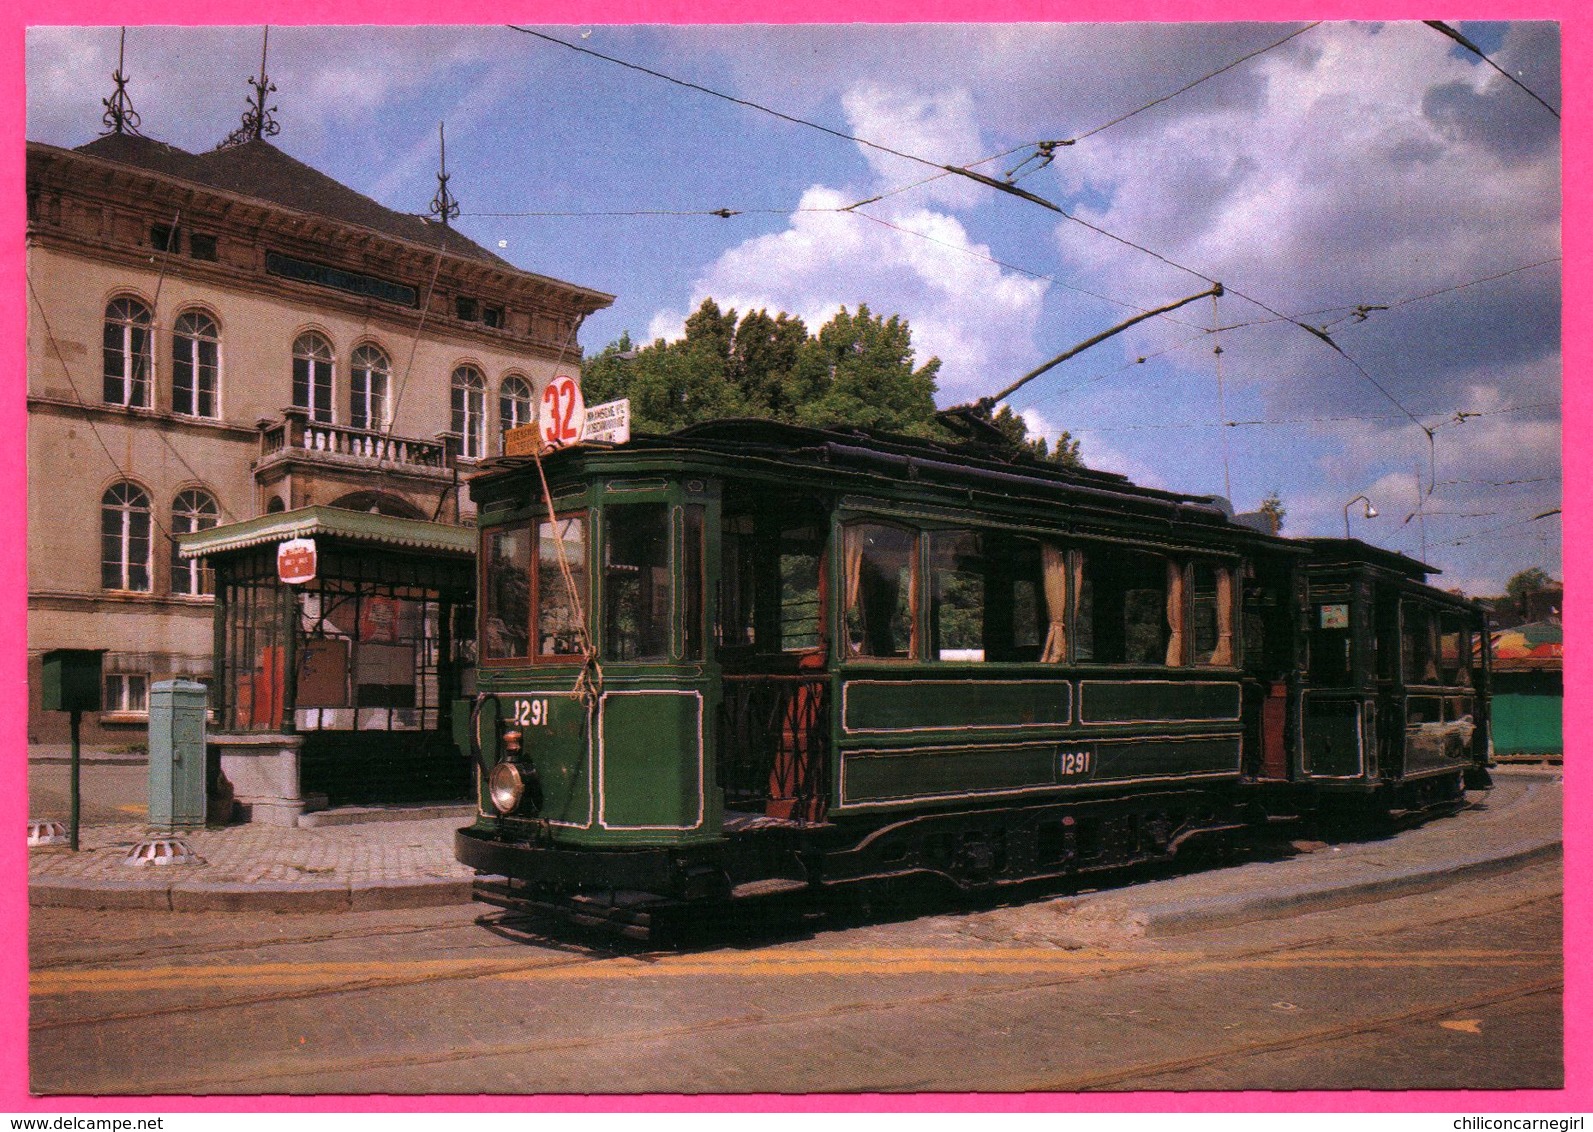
(563, 412)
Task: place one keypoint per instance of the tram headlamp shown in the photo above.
(505, 786)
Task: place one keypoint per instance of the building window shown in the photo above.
(124, 538)
(195, 350)
(192, 510)
(514, 403)
(312, 376)
(126, 693)
(164, 238)
(127, 353)
(469, 411)
(201, 246)
(492, 316)
(469, 310)
(369, 401)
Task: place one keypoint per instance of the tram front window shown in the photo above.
(561, 576)
(636, 582)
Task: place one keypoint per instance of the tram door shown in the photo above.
(773, 657)
(1269, 687)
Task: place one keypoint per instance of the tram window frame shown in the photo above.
(490, 589)
(865, 631)
(579, 574)
(650, 606)
(1452, 624)
(1215, 645)
(1112, 568)
(1011, 615)
(769, 563)
(1418, 644)
(693, 581)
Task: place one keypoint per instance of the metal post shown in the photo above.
(290, 658)
(76, 718)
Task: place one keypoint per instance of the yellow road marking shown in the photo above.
(870, 962)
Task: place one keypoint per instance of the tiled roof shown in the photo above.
(259, 169)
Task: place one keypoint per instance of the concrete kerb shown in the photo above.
(1222, 911)
(262, 896)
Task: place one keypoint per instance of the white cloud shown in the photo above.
(978, 318)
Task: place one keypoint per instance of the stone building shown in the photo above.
(217, 336)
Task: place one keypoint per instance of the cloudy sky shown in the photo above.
(1372, 180)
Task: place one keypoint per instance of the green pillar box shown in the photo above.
(177, 755)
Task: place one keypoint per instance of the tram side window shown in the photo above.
(561, 545)
(506, 583)
(1130, 606)
(738, 583)
(1212, 609)
(957, 569)
(636, 582)
(1419, 644)
(881, 590)
(801, 587)
(1454, 650)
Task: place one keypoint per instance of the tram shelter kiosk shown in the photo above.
(341, 640)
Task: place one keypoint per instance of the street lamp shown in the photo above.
(1370, 513)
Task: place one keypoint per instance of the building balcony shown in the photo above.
(304, 463)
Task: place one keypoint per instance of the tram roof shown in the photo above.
(919, 459)
(1353, 552)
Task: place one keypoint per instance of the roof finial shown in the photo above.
(443, 206)
(257, 120)
(120, 117)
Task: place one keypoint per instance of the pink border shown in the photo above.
(1577, 61)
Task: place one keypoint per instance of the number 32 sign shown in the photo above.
(563, 412)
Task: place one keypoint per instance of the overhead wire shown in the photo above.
(1444, 29)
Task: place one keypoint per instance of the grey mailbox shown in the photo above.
(177, 755)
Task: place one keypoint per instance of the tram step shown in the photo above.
(769, 886)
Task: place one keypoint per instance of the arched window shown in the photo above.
(192, 510)
(514, 403)
(127, 353)
(195, 349)
(369, 389)
(470, 411)
(312, 376)
(124, 538)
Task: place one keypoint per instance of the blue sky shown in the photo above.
(1370, 164)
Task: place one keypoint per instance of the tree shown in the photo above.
(1523, 585)
(859, 370)
(1274, 510)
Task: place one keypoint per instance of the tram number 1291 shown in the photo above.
(529, 713)
(1073, 764)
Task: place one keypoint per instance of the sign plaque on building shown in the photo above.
(296, 561)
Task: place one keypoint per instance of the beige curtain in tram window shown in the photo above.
(1175, 614)
(1056, 604)
(852, 563)
(912, 597)
(1223, 655)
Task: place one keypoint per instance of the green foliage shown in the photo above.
(859, 370)
(1527, 582)
(1272, 507)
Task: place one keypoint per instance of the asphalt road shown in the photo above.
(1457, 987)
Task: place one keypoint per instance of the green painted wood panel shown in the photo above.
(1149, 701)
(1166, 758)
(1333, 738)
(652, 755)
(907, 705)
(556, 748)
(884, 776)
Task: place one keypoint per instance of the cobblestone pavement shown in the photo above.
(409, 863)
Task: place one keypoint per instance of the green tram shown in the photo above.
(749, 657)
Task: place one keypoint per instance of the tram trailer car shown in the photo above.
(750, 657)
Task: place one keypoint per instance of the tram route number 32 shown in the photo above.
(529, 713)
